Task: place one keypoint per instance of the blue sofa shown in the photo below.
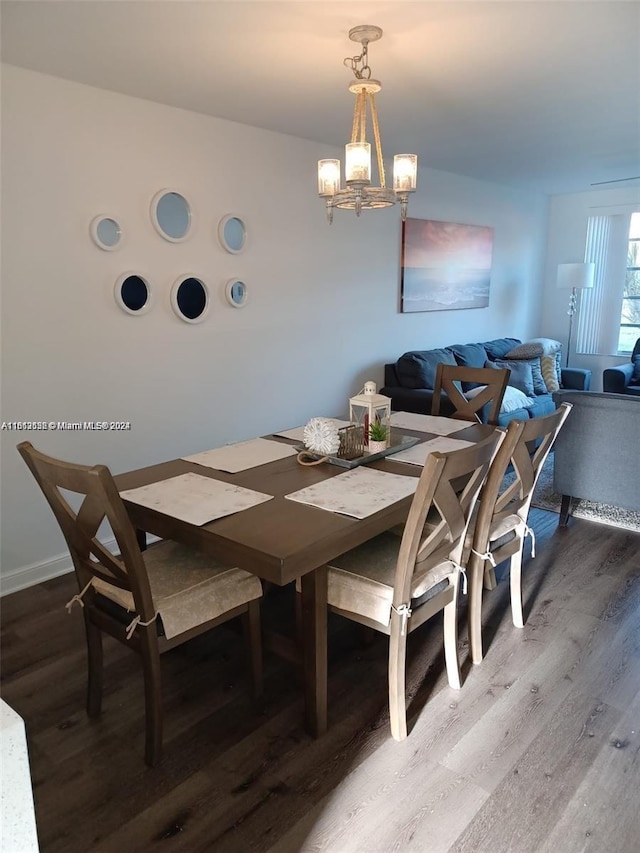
(409, 381)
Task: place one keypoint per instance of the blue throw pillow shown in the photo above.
(521, 375)
(500, 347)
(417, 369)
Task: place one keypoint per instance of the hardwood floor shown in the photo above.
(539, 751)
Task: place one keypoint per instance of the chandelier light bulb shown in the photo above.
(357, 164)
(405, 172)
(328, 177)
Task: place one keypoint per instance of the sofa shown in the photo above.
(625, 378)
(596, 451)
(535, 373)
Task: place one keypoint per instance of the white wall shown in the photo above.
(568, 215)
(323, 311)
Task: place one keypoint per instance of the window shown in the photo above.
(609, 312)
(630, 314)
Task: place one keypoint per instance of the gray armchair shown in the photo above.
(596, 452)
(623, 379)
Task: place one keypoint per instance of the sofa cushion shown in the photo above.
(541, 405)
(417, 369)
(469, 355)
(521, 374)
(500, 347)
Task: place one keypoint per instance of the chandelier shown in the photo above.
(360, 194)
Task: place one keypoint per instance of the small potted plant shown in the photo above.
(378, 436)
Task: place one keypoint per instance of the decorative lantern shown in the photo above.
(369, 407)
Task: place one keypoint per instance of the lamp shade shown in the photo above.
(579, 276)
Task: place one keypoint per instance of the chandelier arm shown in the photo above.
(356, 119)
(376, 136)
(363, 116)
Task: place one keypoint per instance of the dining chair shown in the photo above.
(451, 379)
(500, 524)
(151, 600)
(394, 585)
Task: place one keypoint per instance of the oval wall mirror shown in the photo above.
(232, 233)
(190, 298)
(171, 215)
(236, 293)
(132, 293)
(106, 232)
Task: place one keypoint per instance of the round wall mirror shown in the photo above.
(132, 293)
(171, 215)
(232, 233)
(106, 232)
(236, 293)
(190, 299)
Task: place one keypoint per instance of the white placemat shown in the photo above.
(297, 433)
(359, 492)
(194, 498)
(417, 455)
(245, 454)
(428, 423)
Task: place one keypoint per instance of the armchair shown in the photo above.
(625, 378)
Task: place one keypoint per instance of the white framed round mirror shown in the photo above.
(236, 293)
(171, 215)
(232, 233)
(132, 293)
(190, 298)
(106, 232)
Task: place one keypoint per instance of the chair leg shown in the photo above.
(451, 640)
(565, 510)
(152, 694)
(475, 571)
(253, 638)
(515, 575)
(397, 665)
(94, 661)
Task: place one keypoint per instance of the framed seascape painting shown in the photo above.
(445, 265)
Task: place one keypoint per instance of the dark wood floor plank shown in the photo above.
(234, 779)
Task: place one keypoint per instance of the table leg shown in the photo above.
(314, 630)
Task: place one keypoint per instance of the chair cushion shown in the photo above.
(361, 580)
(417, 369)
(188, 588)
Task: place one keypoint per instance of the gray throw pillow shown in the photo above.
(521, 375)
(531, 353)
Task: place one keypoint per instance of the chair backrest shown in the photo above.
(447, 492)
(526, 447)
(449, 378)
(100, 501)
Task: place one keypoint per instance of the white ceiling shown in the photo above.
(543, 95)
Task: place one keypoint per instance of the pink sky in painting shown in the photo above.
(429, 244)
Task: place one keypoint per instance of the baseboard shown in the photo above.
(27, 576)
(46, 570)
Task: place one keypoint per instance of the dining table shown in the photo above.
(281, 540)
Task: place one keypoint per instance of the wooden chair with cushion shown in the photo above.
(151, 601)
(500, 526)
(394, 585)
(450, 379)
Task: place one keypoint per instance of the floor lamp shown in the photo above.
(576, 277)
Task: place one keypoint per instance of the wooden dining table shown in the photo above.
(282, 540)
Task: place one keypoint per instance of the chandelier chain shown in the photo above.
(361, 72)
